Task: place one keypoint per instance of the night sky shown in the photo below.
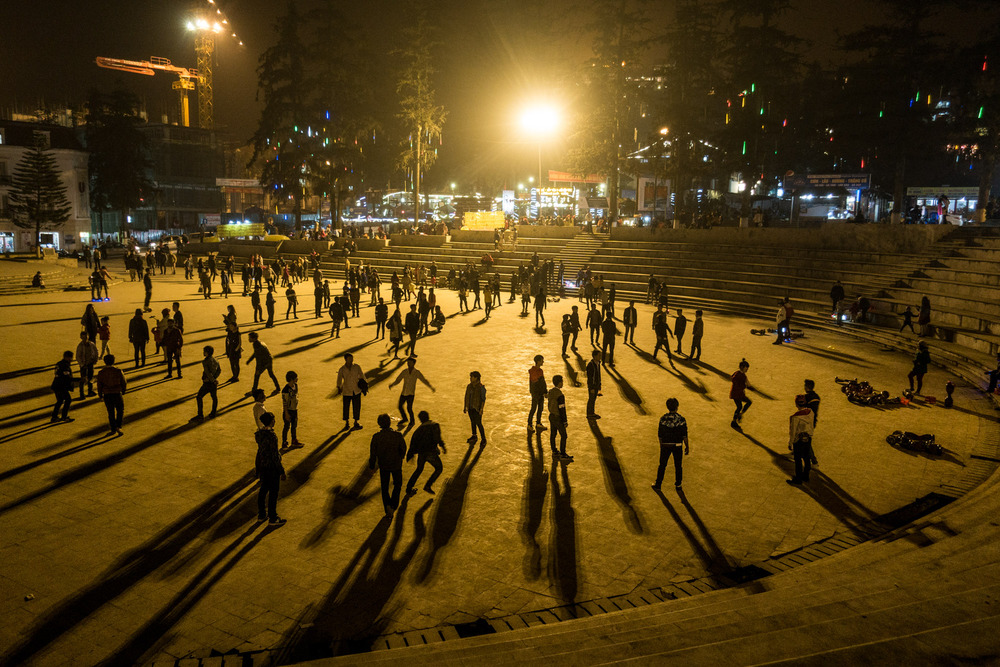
(495, 54)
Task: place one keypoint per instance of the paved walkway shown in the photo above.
(144, 546)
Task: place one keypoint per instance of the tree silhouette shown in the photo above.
(38, 197)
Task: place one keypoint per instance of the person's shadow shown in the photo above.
(627, 391)
(563, 550)
(535, 488)
(614, 479)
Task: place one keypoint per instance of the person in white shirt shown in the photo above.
(351, 384)
(258, 407)
(409, 377)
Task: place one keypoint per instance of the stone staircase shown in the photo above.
(579, 252)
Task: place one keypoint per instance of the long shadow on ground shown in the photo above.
(614, 479)
(535, 488)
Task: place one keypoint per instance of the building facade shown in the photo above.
(17, 137)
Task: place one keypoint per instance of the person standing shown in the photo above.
(293, 302)
(680, 326)
(269, 304)
(262, 356)
(630, 318)
(812, 402)
(87, 357)
(574, 318)
(269, 471)
(90, 322)
(104, 334)
(210, 371)
(138, 335)
(318, 299)
(424, 444)
(566, 327)
(673, 436)
(351, 384)
(920, 363)
(224, 282)
(336, 317)
(540, 306)
(593, 384)
(924, 317)
(234, 350)
(537, 389)
(557, 419)
(381, 315)
(475, 403)
(697, 331)
(800, 433)
(594, 324)
(290, 410)
(177, 316)
(412, 326)
(386, 453)
(907, 320)
(172, 343)
(610, 331)
(111, 387)
(62, 385)
(738, 393)
(147, 283)
(409, 377)
(258, 314)
(836, 296)
(395, 326)
(994, 376)
(781, 322)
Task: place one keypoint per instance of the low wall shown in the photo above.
(417, 240)
(546, 232)
(472, 235)
(297, 247)
(234, 248)
(373, 245)
(831, 236)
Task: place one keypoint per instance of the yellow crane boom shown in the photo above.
(185, 76)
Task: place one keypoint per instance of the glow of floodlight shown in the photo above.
(540, 120)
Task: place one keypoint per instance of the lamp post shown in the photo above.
(540, 122)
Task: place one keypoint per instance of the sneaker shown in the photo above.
(357, 425)
(196, 418)
(119, 432)
(71, 419)
(593, 416)
(566, 457)
(261, 517)
(539, 427)
(793, 482)
(472, 440)
(277, 521)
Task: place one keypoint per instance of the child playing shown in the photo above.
(105, 334)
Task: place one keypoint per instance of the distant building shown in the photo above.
(16, 137)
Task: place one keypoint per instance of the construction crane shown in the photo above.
(206, 23)
(184, 83)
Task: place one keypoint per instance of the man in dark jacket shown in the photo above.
(387, 450)
(680, 326)
(836, 295)
(630, 318)
(381, 316)
(269, 470)
(111, 387)
(593, 384)
(172, 342)
(62, 385)
(424, 444)
(412, 326)
(610, 331)
(147, 282)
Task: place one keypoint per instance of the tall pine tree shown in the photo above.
(38, 197)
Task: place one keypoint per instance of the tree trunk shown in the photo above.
(416, 182)
(335, 204)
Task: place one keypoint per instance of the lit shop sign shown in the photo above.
(846, 181)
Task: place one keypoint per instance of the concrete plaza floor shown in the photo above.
(144, 547)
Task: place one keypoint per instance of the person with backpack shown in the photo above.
(269, 470)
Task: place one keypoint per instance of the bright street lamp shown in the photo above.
(540, 121)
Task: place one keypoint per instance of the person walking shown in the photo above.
(111, 387)
(210, 371)
(104, 334)
(262, 355)
(269, 304)
(630, 318)
(475, 403)
(920, 363)
(409, 377)
(351, 384)
(800, 434)
(738, 393)
(172, 343)
(138, 335)
(269, 471)
(697, 331)
(293, 302)
(86, 357)
(680, 326)
(537, 389)
(557, 419)
(386, 453)
(290, 410)
(662, 330)
(62, 385)
(610, 332)
(673, 436)
(234, 350)
(395, 326)
(336, 317)
(424, 444)
(147, 283)
(593, 384)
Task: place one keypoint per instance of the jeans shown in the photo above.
(63, 400)
(87, 376)
(476, 418)
(292, 423)
(234, 366)
(173, 355)
(267, 497)
(556, 426)
(608, 350)
(260, 370)
(802, 453)
(591, 401)
(390, 499)
(742, 405)
(629, 334)
(207, 388)
(140, 352)
(355, 401)
(537, 408)
(666, 451)
(116, 410)
(435, 460)
(406, 402)
(695, 345)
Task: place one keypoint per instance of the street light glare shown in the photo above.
(540, 120)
